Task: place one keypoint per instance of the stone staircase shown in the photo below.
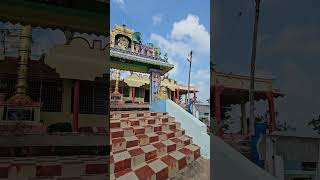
(148, 145)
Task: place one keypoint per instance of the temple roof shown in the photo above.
(236, 87)
(84, 16)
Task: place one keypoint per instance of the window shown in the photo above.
(49, 92)
(139, 92)
(92, 98)
(7, 87)
(126, 91)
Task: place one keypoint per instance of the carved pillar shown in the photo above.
(155, 80)
(20, 99)
(116, 88)
(178, 95)
(133, 94)
(244, 123)
(272, 115)
(76, 96)
(24, 53)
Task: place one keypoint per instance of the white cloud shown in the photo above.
(186, 35)
(201, 74)
(157, 19)
(201, 79)
(173, 48)
(192, 29)
(120, 3)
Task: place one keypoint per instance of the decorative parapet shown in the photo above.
(138, 55)
(127, 55)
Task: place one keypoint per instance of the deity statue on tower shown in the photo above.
(123, 43)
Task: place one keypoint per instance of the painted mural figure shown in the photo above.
(123, 43)
(155, 84)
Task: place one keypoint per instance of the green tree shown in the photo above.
(315, 123)
(225, 117)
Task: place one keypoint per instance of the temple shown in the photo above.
(144, 61)
(233, 89)
(151, 134)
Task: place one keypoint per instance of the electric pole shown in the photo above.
(252, 70)
(190, 61)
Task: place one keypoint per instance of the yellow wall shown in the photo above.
(66, 115)
(85, 120)
(136, 99)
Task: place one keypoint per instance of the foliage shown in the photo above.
(315, 123)
(60, 127)
(225, 117)
(283, 125)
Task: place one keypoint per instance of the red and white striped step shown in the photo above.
(161, 168)
(121, 143)
(140, 154)
(133, 114)
(148, 145)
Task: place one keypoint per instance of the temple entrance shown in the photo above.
(147, 97)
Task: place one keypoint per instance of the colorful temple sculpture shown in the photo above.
(146, 143)
(52, 126)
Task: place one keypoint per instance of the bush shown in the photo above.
(60, 127)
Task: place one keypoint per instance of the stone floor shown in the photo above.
(197, 170)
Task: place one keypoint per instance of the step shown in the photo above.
(114, 123)
(121, 143)
(163, 167)
(133, 130)
(127, 114)
(134, 156)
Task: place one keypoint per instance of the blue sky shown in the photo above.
(176, 26)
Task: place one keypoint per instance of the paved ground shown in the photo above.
(197, 170)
